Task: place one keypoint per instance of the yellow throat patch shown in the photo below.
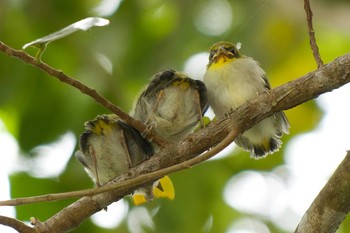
(220, 62)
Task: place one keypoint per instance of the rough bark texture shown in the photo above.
(289, 95)
(331, 205)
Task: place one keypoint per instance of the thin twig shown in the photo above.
(331, 76)
(313, 43)
(81, 87)
(100, 99)
(16, 224)
(141, 179)
(292, 93)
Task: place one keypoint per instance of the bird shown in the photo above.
(109, 147)
(172, 105)
(232, 79)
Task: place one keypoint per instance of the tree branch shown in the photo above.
(126, 184)
(311, 31)
(329, 77)
(331, 205)
(15, 224)
(311, 85)
(81, 87)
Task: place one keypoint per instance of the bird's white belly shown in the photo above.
(226, 92)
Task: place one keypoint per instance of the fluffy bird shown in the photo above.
(109, 147)
(232, 79)
(172, 105)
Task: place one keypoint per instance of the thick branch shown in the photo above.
(328, 78)
(15, 224)
(331, 205)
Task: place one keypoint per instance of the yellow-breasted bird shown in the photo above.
(109, 147)
(172, 105)
(232, 79)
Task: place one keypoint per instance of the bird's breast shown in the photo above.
(232, 85)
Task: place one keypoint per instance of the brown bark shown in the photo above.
(310, 86)
(331, 205)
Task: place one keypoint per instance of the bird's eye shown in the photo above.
(212, 53)
(233, 51)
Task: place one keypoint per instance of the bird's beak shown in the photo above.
(222, 53)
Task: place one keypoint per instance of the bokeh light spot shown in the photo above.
(114, 215)
(107, 7)
(248, 225)
(195, 65)
(214, 17)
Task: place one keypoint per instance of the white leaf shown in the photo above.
(84, 25)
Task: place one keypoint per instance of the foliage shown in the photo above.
(143, 38)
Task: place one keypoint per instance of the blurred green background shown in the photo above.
(145, 37)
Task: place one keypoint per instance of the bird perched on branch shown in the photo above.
(232, 79)
(109, 147)
(172, 105)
